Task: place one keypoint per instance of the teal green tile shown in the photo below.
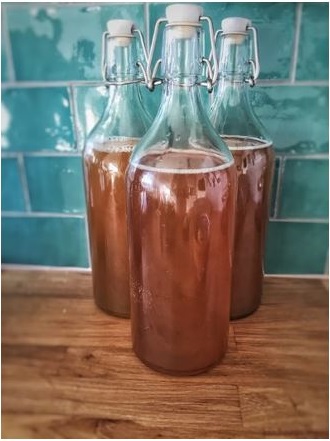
(4, 62)
(63, 42)
(12, 196)
(55, 184)
(275, 22)
(313, 55)
(274, 194)
(305, 189)
(296, 248)
(36, 119)
(296, 117)
(4, 66)
(50, 241)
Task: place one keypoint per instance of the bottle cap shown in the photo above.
(184, 13)
(123, 29)
(120, 28)
(186, 17)
(235, 25)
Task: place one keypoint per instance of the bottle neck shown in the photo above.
(234, 58)
(232, 89)
(121, 60)
(181, 103)
(181, 55)
(231, 111)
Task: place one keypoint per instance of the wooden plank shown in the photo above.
(68, 370)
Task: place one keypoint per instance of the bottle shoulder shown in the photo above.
(232, 114)
(123, 116)
(109, 149)
(181, 127)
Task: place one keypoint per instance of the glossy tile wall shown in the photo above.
(52, 95)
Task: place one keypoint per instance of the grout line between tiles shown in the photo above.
(41, 214)
(278, 186)
(51, 84)
(24, 182)
(7, 45)
(59, 83)
(9, 154)
(294, 61)
(73, 110)
(307, 83)
(303, 157)
(78, 153)
(41, 154)
(83, 216)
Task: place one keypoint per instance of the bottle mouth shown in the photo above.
(121, 40)
(182, 30)
(184, 23)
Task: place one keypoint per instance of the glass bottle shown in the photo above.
(106, 157)
(181, 193)
(233, 117)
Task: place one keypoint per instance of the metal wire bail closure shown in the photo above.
(255, 65)
(139, 63)
(151, 80)
(212, 73)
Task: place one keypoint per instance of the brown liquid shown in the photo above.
(181, 231)
(254, 166)
(105, 167)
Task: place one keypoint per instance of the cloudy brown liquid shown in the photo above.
(254, 161)
(181, 232)
(105, 167)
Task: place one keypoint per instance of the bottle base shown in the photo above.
(244, 314)
(113, 313)
(175, 373)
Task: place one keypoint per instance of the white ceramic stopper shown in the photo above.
(122, 29)
(183, 13)
(236, 27)
(187, 14)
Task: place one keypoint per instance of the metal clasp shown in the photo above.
(152, 81)
(255, 65)
(212, 73)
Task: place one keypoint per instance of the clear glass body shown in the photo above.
(107, 152)
(233, 117)
(181, 195)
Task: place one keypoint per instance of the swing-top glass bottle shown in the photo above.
(181, 192)
(106, 157)
(234, 119)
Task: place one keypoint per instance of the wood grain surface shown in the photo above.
(68, 370)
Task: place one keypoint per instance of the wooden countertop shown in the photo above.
(68, 370)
